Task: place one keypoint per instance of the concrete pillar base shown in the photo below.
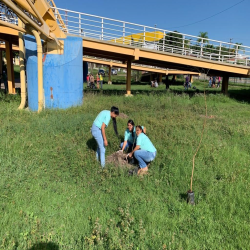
(128, 95)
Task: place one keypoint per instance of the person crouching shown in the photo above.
(144, 152)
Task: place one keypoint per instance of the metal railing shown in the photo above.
(136, 35)
(107, 29)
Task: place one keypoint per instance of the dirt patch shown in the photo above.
(208, 117)
(123, 116)
(118, 159)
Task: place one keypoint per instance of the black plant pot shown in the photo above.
(190, 197)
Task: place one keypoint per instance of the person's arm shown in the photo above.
(103, 134)
(144, 130)
(136, 148)
(124, 145)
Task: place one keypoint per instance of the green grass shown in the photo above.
(55, 195)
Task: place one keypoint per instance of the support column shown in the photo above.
(128, 84)
(224, 88)
(191, 78)
(10, 68)
(174, 78)
(109, 81)
(1, 62)
(160, 78)
(151, 78)
(22, 68)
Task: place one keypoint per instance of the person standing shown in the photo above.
(98, 131)
(97, 81)
(210, 82)
(218, 84)
(88, 80)
(101, 80)
(144, 152)
(5, 81)
(186, 82)
(92, 81)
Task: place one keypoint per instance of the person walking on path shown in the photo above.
(98, 131)
(144, 152)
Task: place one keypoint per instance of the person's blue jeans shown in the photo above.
(144, 157)
(129, 144)
(100, 153)
(101, 83)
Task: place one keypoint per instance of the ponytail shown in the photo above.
(116, 111)
(115, 126)
(133, 124)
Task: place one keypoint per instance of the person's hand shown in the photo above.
(130, 155)
(105, 143)
(120, 151)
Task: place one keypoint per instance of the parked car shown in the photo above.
(113, 71)
(102, 72)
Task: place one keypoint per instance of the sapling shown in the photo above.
(190, 193)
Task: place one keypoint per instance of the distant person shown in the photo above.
(213, 81)
(92, 81)
(167, 82)
(186, 84)
(130, 136)
(97, 81)
(210, 82)
(88, 80)
(101, 80)
(218, 84)
(98, 131)
(154, 84)
(144, 152)
(4, 77)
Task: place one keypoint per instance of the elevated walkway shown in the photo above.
(150, 46)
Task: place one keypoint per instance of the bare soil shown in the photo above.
(123, 116)
(118, 159)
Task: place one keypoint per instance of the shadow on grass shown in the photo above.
(91, 143)
(183, 196)
(45, 246)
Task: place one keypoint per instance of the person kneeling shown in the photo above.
(144, 152)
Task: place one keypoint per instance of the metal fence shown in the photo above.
(86, 25)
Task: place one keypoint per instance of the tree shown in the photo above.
(173, 40)
(203, 36)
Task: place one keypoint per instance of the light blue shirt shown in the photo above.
(103, 117)
(144, 143)
(130, 136)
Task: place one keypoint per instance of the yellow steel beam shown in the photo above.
(154, 57)
(14, 47)
(12, 26)
(10, 68)
(139, 68)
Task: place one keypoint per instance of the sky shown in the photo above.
(183, 16)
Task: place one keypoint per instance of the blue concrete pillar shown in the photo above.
(62, 75)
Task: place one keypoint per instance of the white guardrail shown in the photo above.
(136, 35)
(86, 25)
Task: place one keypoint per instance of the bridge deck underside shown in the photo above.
(123, 53)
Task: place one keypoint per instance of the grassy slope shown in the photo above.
(52, 189)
